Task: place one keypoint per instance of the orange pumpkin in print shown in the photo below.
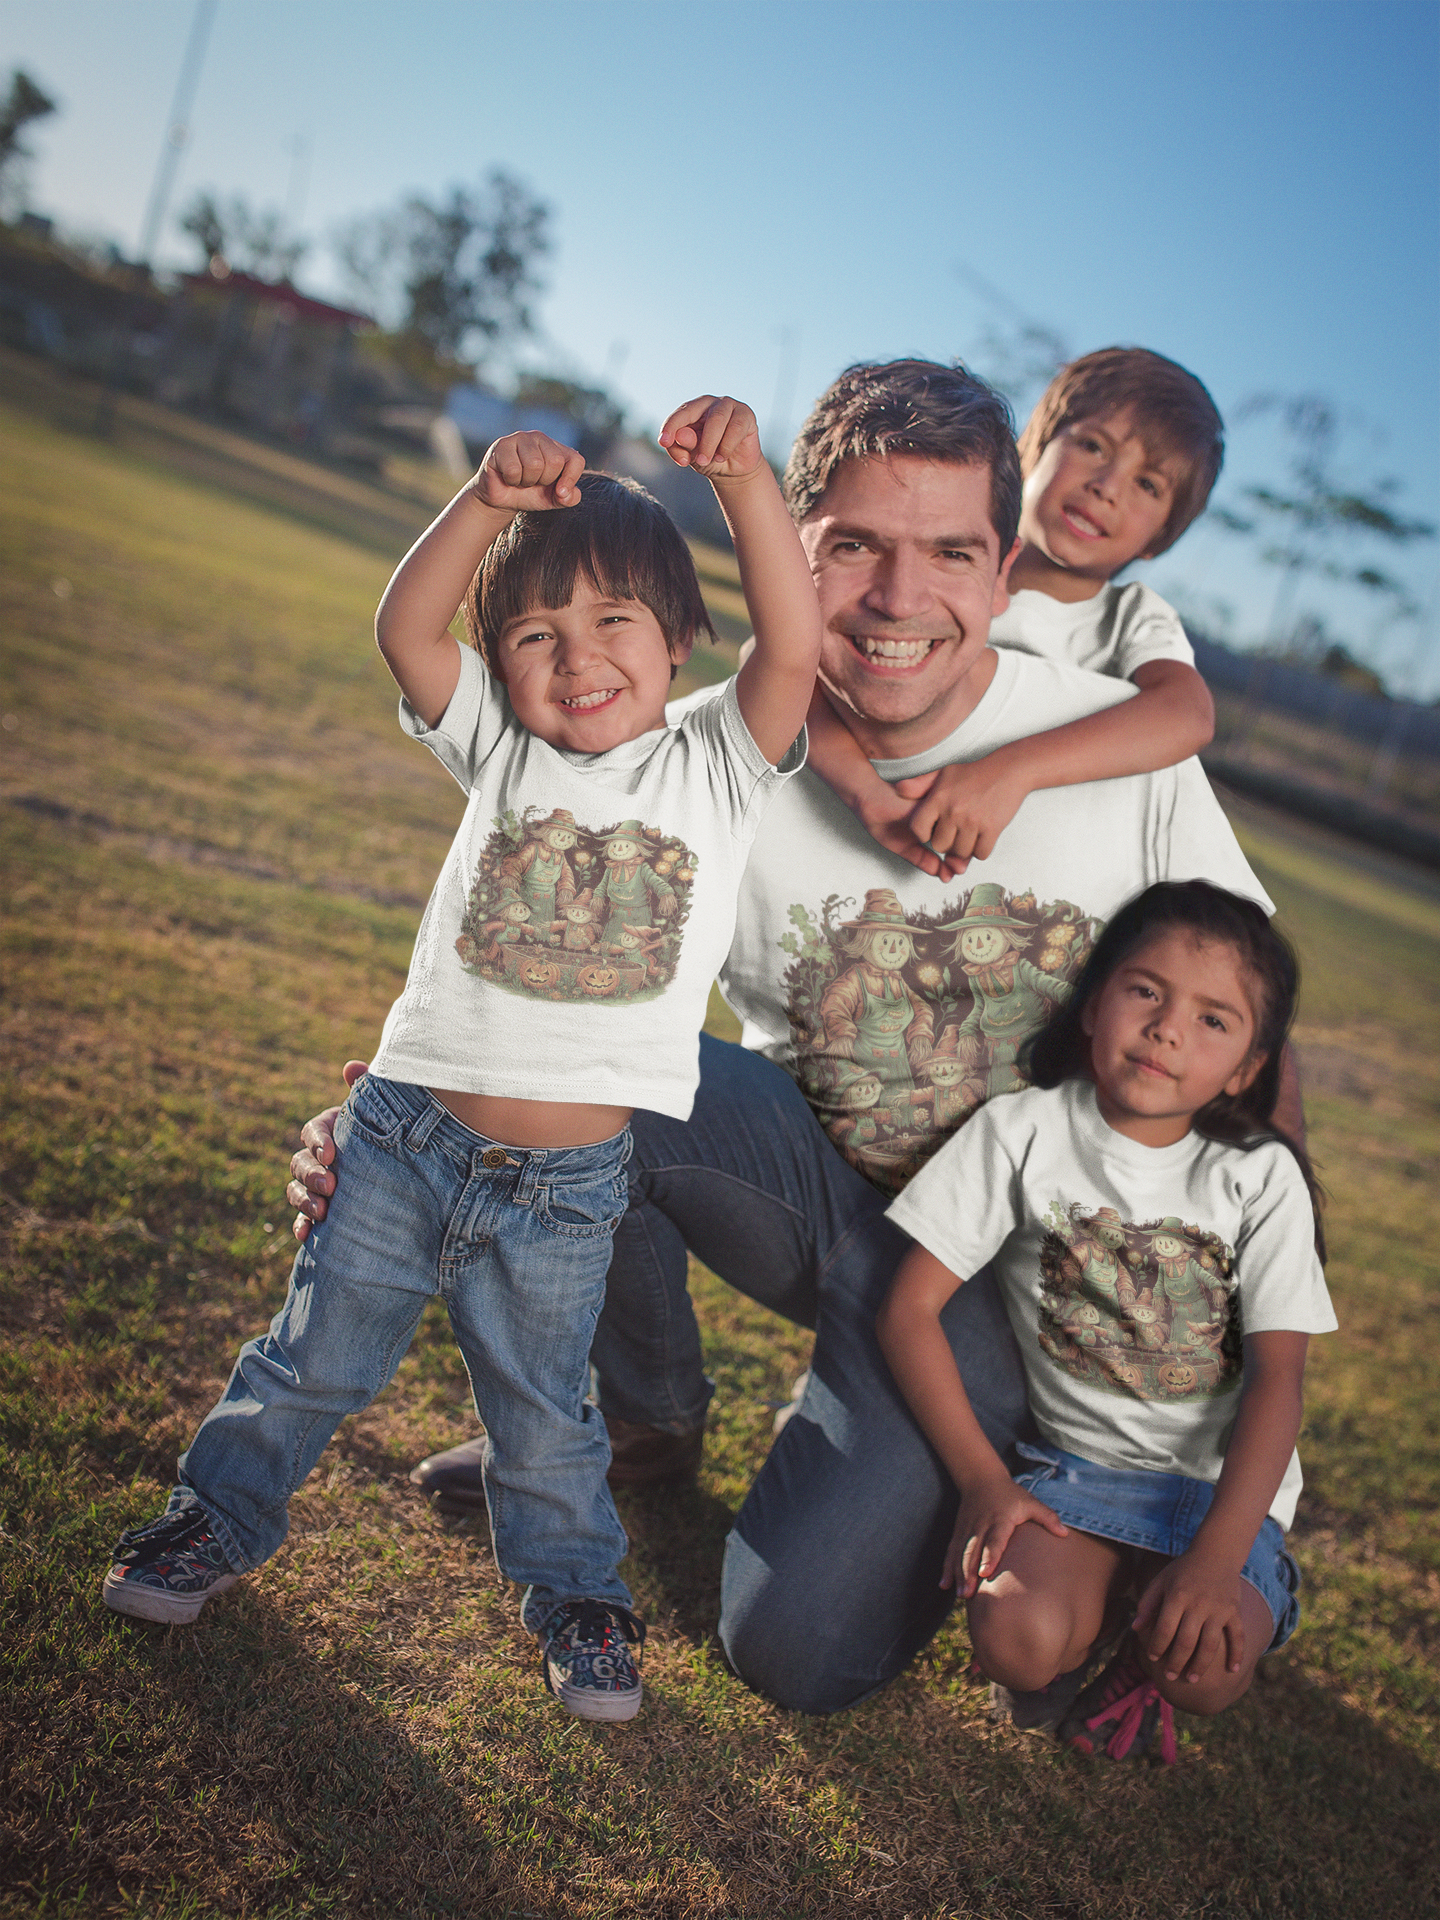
(538, 974)
(598, 981)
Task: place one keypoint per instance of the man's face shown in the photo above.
(909, 573)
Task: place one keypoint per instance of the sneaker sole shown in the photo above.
(586, 1704)
(154, 1603)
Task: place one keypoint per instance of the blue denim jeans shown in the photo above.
(831, 1576)
(516, 1242)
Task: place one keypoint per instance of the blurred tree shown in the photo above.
(452, 276)
(23, 103)
(1299, 527)
(1014, 351)
(596, 413)
(255, 242)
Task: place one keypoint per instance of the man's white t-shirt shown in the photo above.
(1131, 1274)
(569, 946)
(1114, 632)
(900, 1004)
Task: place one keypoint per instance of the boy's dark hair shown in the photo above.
(1061, 1049)
(619, 537)
(908, 406)
(1173, 413)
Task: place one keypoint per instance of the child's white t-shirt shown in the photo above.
(586, 904)
(1130, 1273)
(1114, 632)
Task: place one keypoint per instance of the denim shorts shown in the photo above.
(1159, 1513)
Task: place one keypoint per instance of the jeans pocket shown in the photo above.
(582, 1209)
(376, 1110)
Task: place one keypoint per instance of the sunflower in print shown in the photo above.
(561, 911)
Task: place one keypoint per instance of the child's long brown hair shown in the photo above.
(1061, 1049)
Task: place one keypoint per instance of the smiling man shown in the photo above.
(851, 967)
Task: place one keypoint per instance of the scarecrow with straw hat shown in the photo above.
(539, 873)
(869, 1014)
(631, 890)
(1012, 996)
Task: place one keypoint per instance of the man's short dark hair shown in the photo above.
(619, 537)
(910, 407)
(1174, 415)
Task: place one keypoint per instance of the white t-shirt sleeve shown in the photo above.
(1148, 628)
(1280, 1279)
(965, 1203)
(473, 721)
(752, 783)
(1192, 839)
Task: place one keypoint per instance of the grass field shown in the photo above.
(215, 846)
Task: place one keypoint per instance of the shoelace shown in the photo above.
(1129, 1710)
(595, 1620)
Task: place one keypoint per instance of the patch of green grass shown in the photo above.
(213, 845)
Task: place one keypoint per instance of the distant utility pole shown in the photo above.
(177, 129)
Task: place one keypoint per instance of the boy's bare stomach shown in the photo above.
(534, 1123)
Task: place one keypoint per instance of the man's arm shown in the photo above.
(719, 438)
(962, 811)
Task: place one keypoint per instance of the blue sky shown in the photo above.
(748, 197)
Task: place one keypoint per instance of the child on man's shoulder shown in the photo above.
(1119, 457)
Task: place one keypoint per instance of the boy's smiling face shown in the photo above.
(1098, 497)
(588, 676)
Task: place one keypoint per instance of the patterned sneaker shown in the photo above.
(167, 1569)
(1123, 1693)
(585, 1659)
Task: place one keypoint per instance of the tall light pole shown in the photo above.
(177, 128)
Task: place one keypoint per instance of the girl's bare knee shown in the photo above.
(1021, 1646)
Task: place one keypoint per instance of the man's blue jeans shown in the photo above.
(516, 1243)
(831, 1577)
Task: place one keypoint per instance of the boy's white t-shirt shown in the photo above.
(1131, 1274)
(582, 913)
(1114, 632)
(874, 985)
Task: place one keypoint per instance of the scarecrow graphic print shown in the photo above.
(1144, 1310)
(568, 912)
(902, 1024)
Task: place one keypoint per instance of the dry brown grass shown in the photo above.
(211, 838)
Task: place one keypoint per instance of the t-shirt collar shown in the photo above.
(1092, 1127)
(974, 734)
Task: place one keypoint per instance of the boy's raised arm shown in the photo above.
(523, 472)
(718, 437)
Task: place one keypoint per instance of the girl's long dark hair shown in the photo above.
(1061, 1049)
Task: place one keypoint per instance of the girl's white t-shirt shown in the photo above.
(1114, 632)
(586, 904)
(1131, 1274)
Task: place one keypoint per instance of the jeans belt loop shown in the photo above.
(530, 1170)
(420, 1133)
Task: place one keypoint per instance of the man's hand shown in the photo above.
(528, 473)
(715, 435)
(962, 810)
(990, 1511)
(1187, 1614)
(311, 1182)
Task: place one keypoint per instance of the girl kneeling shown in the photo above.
(1157, 1243)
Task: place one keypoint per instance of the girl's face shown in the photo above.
(1171, 1028)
